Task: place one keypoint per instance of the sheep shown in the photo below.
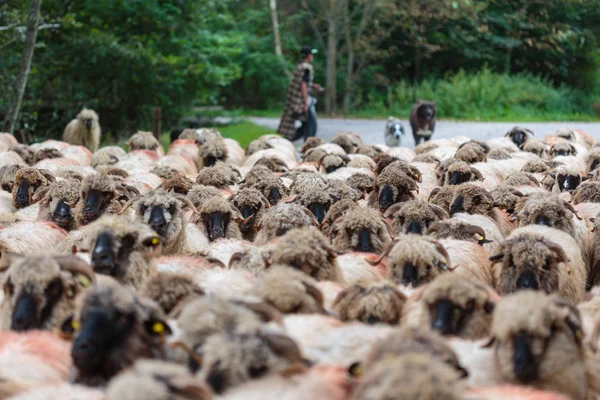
(475, 200)
(169, 290)
(499, 154)
(550, 210)
(27, 182)
(307, 183)
(125, 250)
(107, 156)
(414, 216)
(272, 187)
(251, 259)
(363, 183)
(442, 197)
(361, 229)
(144, 141)
(460, 172)
(44, 154)
(24, 237)
(537, 341)
(392, 186)
(311, 143)
(336, 211)
(84, 130)
(563, 149)
(591, 254)
(7, 176)
(252, 205)
(317, 201)
(537, 147)
(177, 183)
(164, 213)
(332, 162)
(199, 194)
(347, 140)
(453, 305)
(40, 290)
(541, 258)
(414, 375)
(471, 153)
(307, 250)
(217, 219)
(214, 176)
(274, 164)
(156, 380)
(458, 231)
(519, 135)
(521, 179)
(101, 194)
(201, 135)
(415, 260)
(371, 304)
(339, 189)
(24, 152)
(113, 327)
(278, 220)
(57, 202)
(593, 160)
(212, 151)
(229, 359)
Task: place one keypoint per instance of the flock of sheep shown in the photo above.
(457, 270)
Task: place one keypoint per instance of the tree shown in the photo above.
(25, 66)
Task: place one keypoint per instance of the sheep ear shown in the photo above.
(434, 227)
(238, 256)
(489, 343)
(569, 207)
(558, 250)
(157, 327)
(439, 211)
(393, 209)
(573, 150)
(315, 293)
(477, 174)
(489, 307)
(264, 311)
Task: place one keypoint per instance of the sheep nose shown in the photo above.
(524, 365)
(457, 205)
(216, 227)
(444, 318)
(364, 241)
(25, 314)
(527, 281)
(318, 211)
(386, 197)
(331, 169)
(594, 165)
(62, 211)
(414, 227)
(410, 275)
(157, 218)
(542, 220)
(88, 123)
(455, 178)
(274, 196)
(22, 195)
(102, 255)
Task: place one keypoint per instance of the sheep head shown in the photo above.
(392, 186)
(40, 290)
(318, 202)
(460, 172)
(332, 162)
(361, 229)
(212, 151)
(26, 184)
(251, 205)
(101, 194)
(471, 199)
(529, 262)
(563, 149)
(58, 201)
(88, 118)
(218, 219)
(370, 304)
(457, 231)
(537, 147)
(546, 209)
(414, 216)
(519, 135)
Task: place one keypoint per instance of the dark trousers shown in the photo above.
(310, 126)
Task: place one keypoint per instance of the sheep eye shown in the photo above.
(257, 371)
(172, 209)
(477, 199)
(54, 288)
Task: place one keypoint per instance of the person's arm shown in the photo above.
(317, 87)
(304, 90)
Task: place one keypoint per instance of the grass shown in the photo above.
(244, 132)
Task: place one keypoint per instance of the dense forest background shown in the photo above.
(480, 59)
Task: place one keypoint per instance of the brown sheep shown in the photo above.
(169, 290)
(113, 328)
(593, 255)
(363, 183)
(536, 166)
(230, 359)
(272, 188)
(107, 156)
(289, 291)
(535, 257)
(212, 151)
(332, 162)
(251, 205)
(165, 172)
(177, 183)
(217, 219)
(24, 152)
(347, 140)
(519, 135)
(563, 149)
(278, 220)
(199, 194)
(339, 189)
(84, 130)
(7, 176)
(57, 203)
(499, 154)
(537, 341)
(143, 141)
(336, 211)
(392, 186)
(471, 153)
(361, 229)
(415, 260)
(371, 304)
(101, 194)
(311, 143)
(506, 198)
(308, 183)
(415, 376)
(215, 176)
(257, 145)
(521, 179)
(40, 290)
(453, 305)
(164, 213)
(426, 158)
(125, 250)
(593, 160)
(156, 380)
(307, 250)
(43, 154)
(587, 192)
(317, 201)
(457, 231)
(251, 259)
(368, 150)
(442, 197)
(537, 147)
(460, 172)
(314, 155)
(414, 216)
(274, 164)
(28, 181)
(382, 160)
(472, 199)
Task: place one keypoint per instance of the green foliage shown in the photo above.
(485, 95)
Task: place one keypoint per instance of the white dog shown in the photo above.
(394, 132)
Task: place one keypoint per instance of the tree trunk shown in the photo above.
(350, 60)
(25, 67)
(273, 4)
(332, 40)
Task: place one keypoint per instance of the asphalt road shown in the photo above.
(371, 131)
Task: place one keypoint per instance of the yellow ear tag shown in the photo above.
(155, 241)
(75, 325)
(479, 237)
(578, 334)
(158, 328)
(84, 280)
(355, 370)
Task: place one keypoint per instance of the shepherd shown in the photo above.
(299, 118)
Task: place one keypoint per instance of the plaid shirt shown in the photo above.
(294, 104)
